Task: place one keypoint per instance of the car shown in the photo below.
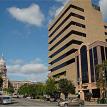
(5, 99)
(28, 97)
(71, 102)
(15, 96)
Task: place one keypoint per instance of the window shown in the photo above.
(59, 18)
(105, 33)
(60, 24)
(78, 72)
(66, 27)
(75, 7)
(105, 27)
(78, 8)
(95, 61)
(63, 64)
(102, 53)
(60, 74)
(65, 46)
(91, 65)
(64, 55)
(73, 41)
(84, 64)
(70, 33)
(106, 52)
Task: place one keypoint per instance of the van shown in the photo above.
(5, 99)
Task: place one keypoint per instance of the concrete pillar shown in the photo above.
(82, 95)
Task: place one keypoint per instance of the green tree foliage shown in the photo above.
(32, 90)
(51, 86)
(66, 87)
(101, 80)
(9, 90)
(1, 82)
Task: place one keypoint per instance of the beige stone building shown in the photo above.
(3, 72)
(17, 84)
(77, 43)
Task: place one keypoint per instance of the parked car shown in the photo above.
(28, 97)
(71, 102)
(15, 96)
(5, 99)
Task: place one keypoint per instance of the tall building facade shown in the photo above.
(77, 43)
(3, 72)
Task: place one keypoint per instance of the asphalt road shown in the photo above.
(30, 102)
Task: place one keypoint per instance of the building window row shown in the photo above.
(73, 14)
(64, 55)
(71, 6)
(57, 42)
(78, 8)
(60, 74)
(63, 64)
(65, 46)
(80, 25)
(71, 23)
(105, 27)
(71, 32)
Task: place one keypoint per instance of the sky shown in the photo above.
(24, 35)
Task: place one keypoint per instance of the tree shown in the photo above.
(51, 86)
(101, 78)
(32, 90)
(24, 90)
(66, 87)
(9, 90)
(1, 82)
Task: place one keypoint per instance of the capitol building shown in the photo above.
(3, 72)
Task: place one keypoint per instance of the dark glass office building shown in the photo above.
(87, 57)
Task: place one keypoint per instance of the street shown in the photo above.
(30, 102)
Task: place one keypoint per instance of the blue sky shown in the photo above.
(24, 36)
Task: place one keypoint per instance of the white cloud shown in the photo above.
(32, 67)
(42, 77)
(27, 68)
(103, 6)
(31, 15)
(59, 10)
(62, 1)
(55, 11)
(16, 61)
(35, 70)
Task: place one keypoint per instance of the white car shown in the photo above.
(5, 99)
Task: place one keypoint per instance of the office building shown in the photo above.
(77, 43)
